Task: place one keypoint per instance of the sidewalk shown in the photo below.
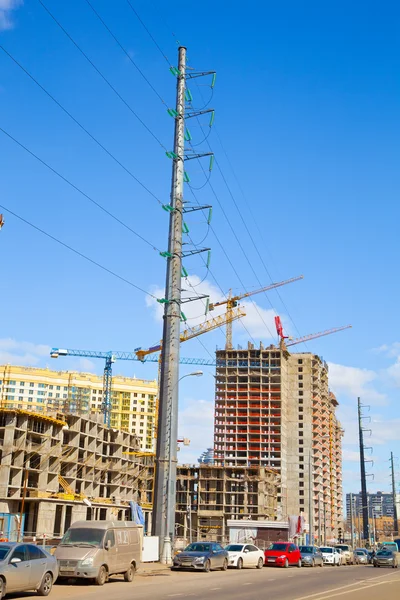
(155, 568)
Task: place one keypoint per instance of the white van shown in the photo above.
(97, 549)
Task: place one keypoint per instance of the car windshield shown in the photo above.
(234, 548)
(83, 537)
(344, 548)
(277, 547)
(384, 553)
(4, 550)
(327, 550)
(198, 548)
(360, 553)
(306, 549)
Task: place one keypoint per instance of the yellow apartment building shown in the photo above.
(44, 391)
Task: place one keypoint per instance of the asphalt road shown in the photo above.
(351, 583)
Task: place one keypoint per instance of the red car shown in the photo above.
(282, 554)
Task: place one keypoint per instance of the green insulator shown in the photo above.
(209, 216)
(211, 162)
(188, 95)
(175, 72)
(186, 177)
(208, 259)
(162, 301)
(207, 305)
(184, 273)
(185, 228)
(183, 317)
(212, 117)
(166, 254)
(214, 77)
(172, 112)
(168, 208)
(188, 136)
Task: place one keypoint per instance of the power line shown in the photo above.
(76, 188)
(149, 33)
(77, 122)
(77, 252)
(104, 78)
(127, 54)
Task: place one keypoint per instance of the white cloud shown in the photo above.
(350, 455)
(6, 7)
(22, 353)
(196, 422)
(258, 321)
(354, 382)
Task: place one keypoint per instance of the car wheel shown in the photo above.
(2, 587)
(260, 563)
(46, 585)
(239, 564)
(101, 576)
(299, 563)
(128, 575)
(286, 564)
(225, 565)
(322, 563)
(338, 563)
(374, 565)
(207, 566)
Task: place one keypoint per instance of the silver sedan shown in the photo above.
(26, 567)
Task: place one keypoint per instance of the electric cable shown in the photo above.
(104, 78)
(77, 189)
(77, 252)
(110, 154)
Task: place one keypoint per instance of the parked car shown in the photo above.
(388, 546)
(347, 553)
(97, 549)
(311, 556)
(282, 554)
(361, 557)
(245, 555)
(386, 558)
(331, 556)
(26, 567)
(202, 556)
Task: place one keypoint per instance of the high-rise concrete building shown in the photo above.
(274, 409)
(43, 390)
(380, 504)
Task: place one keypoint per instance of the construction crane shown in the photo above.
(145, 355)
(312, 336)
(232, 302)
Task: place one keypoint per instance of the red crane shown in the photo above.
(305, 338)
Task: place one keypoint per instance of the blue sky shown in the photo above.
(306, 102)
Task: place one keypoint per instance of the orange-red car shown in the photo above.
(282, 554)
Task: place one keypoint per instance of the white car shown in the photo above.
(331, 556)
(244, 555)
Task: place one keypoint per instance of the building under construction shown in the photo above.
(208, 496)
(273, 409)
(59, 469)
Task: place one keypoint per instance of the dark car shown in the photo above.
(385, 558)
(202, 556)
(282, 554)
(311, 556)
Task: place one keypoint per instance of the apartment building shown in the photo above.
(207, 496)
(43, 390)
(62, 468)
(380, 504)
(274, 409)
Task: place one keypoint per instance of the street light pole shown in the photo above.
(310, 500)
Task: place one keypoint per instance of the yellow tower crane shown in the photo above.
(232, 302)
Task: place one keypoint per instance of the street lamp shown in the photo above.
(166, 557)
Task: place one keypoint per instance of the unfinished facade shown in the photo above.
(68, 468)
(208, 496)
(273, 409)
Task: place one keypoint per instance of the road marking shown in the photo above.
(324, 597)
(247, 584)
(213, 589)
(317, 596)
(173, 595)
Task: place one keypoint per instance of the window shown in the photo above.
(19, 552)
(300, 409)
(140, 430)
(65, 395)
(12, 382)
(58, 388)
(31, 385)
(31, 392)
(300, 361)
(135, 395)
(300, 377)
(50, 395)
(300, 417)
(51, 387)
(300, 369)
(21, 391)
(20, 398)
(65, 388)
(21, 383)
(142, 410)
(292, 547)
(301, 484)
(41, 385)
(41, 393)
(300, 385)
(35, 553)
(109, 538)
(143, 395)
(57, 395)
(301, 501)
(301, 492)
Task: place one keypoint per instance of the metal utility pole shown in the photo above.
(310, 499)
(351, 519)
(166, 452)
(395, 516)
(364, 495)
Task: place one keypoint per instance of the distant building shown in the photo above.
(207, 457)
(380, 504)
(43, 390)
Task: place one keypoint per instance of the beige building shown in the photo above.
(44, 390)
(273, 409)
